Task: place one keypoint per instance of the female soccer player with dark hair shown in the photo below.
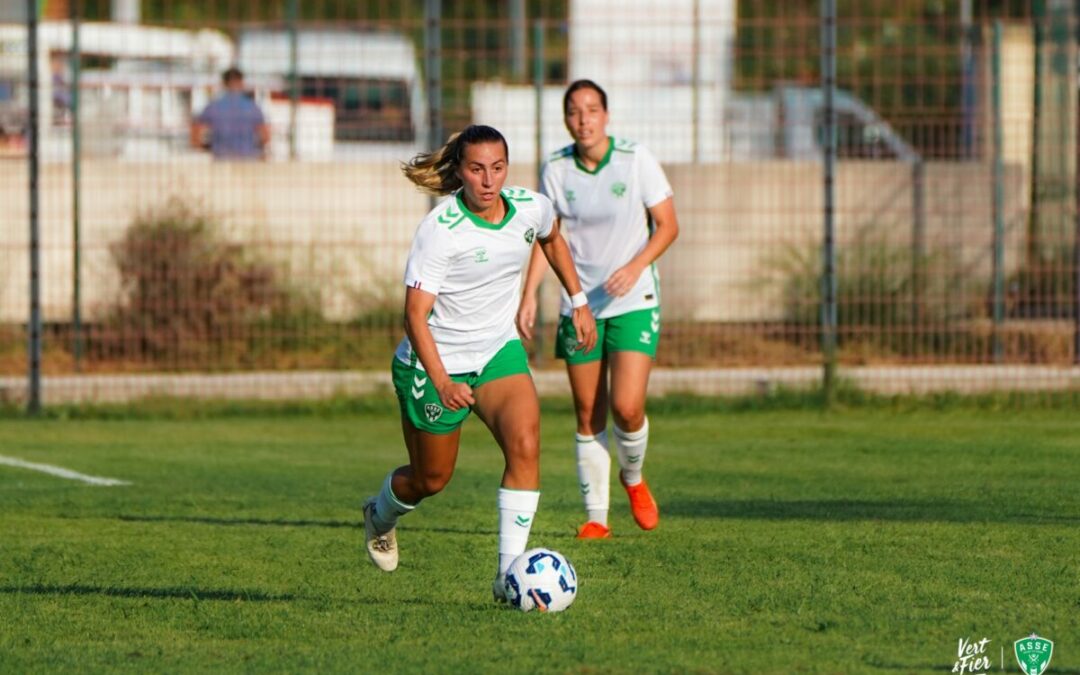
(461, 351)
(616, 205)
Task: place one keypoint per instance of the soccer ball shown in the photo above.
(542, 579)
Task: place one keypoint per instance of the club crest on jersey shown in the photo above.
(530, 234)
(433, 411)
(618, 189)
(570, 196)
(481, 256)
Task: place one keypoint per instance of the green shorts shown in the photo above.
(420, 402)
(631, 332)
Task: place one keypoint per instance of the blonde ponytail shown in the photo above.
(436, 172)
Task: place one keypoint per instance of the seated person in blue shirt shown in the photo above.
(232, 125)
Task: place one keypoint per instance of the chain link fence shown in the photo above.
(163, 270)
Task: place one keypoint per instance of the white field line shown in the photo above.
(61, 472)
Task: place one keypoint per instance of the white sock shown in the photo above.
(594, 474)
(631, 447)
(517, 508)
(388, 507)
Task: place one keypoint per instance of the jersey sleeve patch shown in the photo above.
(516, 194)
(429, 258)
(561, 153)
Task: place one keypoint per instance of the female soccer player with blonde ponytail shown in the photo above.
(461, 351)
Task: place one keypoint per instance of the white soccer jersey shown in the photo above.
(605, 220)
(473, 267)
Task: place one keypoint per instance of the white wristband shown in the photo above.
(579, 299)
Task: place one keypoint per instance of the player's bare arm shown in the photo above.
(538, 267)
(418, 304)
(557, 253)
(665, 232)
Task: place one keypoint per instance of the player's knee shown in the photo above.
(431, 484)
(523, 446)
(628, 416)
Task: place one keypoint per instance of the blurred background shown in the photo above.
(950, 239)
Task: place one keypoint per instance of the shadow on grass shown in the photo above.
(284, 522)
(179, 593)
(843, 510)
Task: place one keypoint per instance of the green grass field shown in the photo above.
(790, 541)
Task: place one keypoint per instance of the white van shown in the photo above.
(371, 79)
(140, 85)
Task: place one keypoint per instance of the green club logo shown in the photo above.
(481, 255)
(529, 235)
(570, 343)
(618, 189)
(570, 196)
(433, 411)
(1033, 654)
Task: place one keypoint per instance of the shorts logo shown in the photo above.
(1033, 654)
(529, 234)
(433, 411)
(570, 342)
(646, 337)
(618, 189)
(655, 323)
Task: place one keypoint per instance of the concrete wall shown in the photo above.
(343, 230)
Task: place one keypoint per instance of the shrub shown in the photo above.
(187, 297)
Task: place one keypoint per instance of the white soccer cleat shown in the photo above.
(498, 588)
(381, 548)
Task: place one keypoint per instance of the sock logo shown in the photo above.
(633, 459)
(522, 521)
(584, 488)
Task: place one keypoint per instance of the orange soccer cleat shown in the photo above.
(593, 530)
(642, 504)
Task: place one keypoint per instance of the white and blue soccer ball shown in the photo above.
(541, 579)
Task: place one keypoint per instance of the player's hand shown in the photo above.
(526, 316)
(624, 279)
(456, 395)
(584, 328)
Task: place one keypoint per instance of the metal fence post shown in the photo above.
(538, 84)
(828, 277)
(433, 68)
(76, 186)
(918, 248)
(998, 196)
(33, 130)
(292, 12)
